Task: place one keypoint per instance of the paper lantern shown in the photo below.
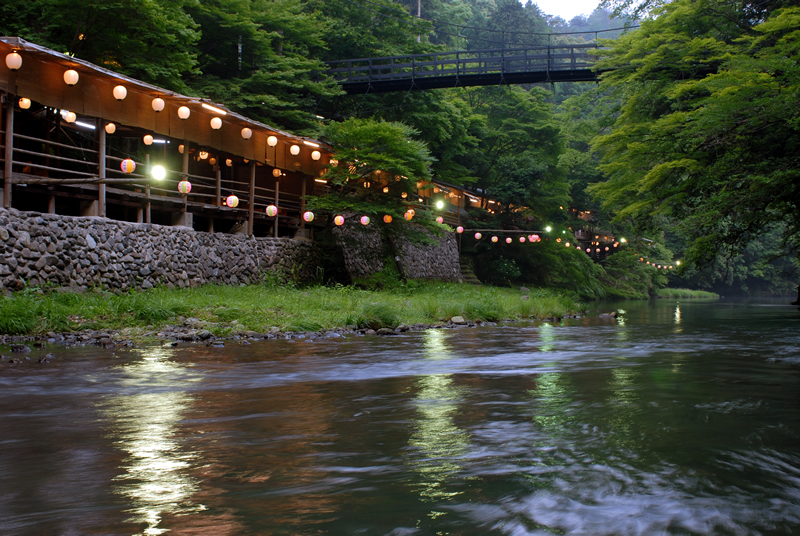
(459, 229)
(408, 215)
(120, 92)
(478, 236)
(272, 211)
(181, 148)
(295, 150)
(386, 189)
(494, 239)
(508, 240)
(184, 187)
(184, 112)
(127, 165)
(308, 216)
(158, 104)
(212, 161)
(111, 128)
(535, 238)
(522, 239)
(316, 155)
(558, 240)
(216, 123)
(276, 172)
(387, 219)
(13, 61)
(589, 250)
(69, 117)
(439, 219)
(247, 133)
(148, 139)
(71, 77)
(364, 220)
(339, 220)
(24, 103)
(203, 155)
(228, 162)
(404, 195)
(567, 244)
(232, 201)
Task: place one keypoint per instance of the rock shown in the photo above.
(90, 242)
(106, 342)
(458, 320)
(402, 328)
(608, 315)
(385, 331)
(204, 335)
(20, 348)
(524, 289)
(523, 297)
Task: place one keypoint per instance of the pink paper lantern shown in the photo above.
(508, 240)
(232, 201)
(338, 220)
(127, 165)
(478, 236)
(387, 219)
(272, 211)
(364, 220)
(459, 229)
(184, 187)
(308, 216)
(522, 239)
(439, 219)
(494, 239)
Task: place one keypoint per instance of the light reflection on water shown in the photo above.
(156, 478)
(674, 418)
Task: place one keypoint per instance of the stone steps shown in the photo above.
(467, 275)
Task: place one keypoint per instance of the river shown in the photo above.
(677, 417)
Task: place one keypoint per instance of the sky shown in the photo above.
(567, 9)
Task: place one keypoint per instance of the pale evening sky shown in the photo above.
(567, 9)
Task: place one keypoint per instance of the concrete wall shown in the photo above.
(97, 252)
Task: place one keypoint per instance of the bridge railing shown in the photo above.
(464, 63)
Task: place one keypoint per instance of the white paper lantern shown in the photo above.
(13, 61)
(247, 133)
(216, 123)
(316, 155)
(148, 139)
(272, 141)
(111, 128)
(184, 112)
(71, 77)
(158, 104)
(120, 92)
(24, 103)
(295, 150)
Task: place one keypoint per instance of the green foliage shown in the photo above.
(707, 134)
(685, 293)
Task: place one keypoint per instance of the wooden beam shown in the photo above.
(9, 150)
(251, 210)
(101, 170)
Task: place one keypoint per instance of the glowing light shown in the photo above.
(232, 201)
(308, 216)
(478, 236)
(214, 109)
(71, 77)
(184, 112)
(440, 205)
(387, 219)
(216, 123)
(548, 228)
(184, 187)
(228, 162)
(247, 133)
(276, 172)
(439, 219)
(522, 239)
(508, 240)
(272, 211)
(295, 150)
(158, 172)
(364, 220)
(158, 104)
(111, 128)
(24, 103)
(316, 155)
(272, 141)
(567, 244)
(459, 229)
(13, 61)
(494, 239)
(338, 220)
(148, 139)
(120, 92)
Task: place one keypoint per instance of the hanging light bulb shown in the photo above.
(158, 172)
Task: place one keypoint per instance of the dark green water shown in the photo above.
(676, 418)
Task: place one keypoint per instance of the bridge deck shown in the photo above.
(555, 63)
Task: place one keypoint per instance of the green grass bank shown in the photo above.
(263, 307)
(685, 293)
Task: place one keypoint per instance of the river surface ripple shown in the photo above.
(677, 417)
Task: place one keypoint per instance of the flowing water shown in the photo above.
(674, 418)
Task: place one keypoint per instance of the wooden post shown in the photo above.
(51, 204)
(218, 197)
(9, 151)
(147, 188)
(303, 206)
(101, 168)
(277, 204)
(251, 211)
(185, 174)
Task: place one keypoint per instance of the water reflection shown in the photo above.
(438, 442)
(144, 425)
(547, 336)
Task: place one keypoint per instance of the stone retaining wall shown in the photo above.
(365, 253)
(96, 252)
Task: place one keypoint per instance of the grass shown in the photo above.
(263, 307)
(685, 293)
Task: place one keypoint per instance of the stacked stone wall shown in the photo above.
(84, 252)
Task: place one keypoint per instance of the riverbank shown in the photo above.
(685, 293)
(214, 312)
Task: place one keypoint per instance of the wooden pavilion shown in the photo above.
(69, 125)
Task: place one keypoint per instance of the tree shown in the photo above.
(708, 133)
